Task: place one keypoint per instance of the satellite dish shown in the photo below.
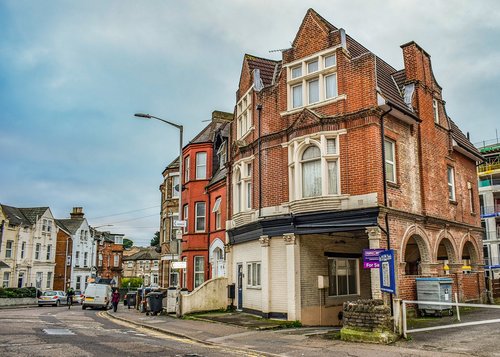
(257, 81)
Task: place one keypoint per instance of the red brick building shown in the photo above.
(109, 255)
(203, 183)
(334, 151)
(64, 249)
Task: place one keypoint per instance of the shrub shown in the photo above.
(17, 292)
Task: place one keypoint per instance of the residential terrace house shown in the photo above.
(204, 202)
(144, 264)
(109, 255)
(334, 151)
(27, 245)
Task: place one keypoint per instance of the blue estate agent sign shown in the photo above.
(370, 258)
(387, 276)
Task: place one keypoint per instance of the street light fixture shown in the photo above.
(181, 130)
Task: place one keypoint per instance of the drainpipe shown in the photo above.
(259, 146)
(66, 264)
(384, 177)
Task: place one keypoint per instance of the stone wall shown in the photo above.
(17, 301)
(211, 295)
(367, 315)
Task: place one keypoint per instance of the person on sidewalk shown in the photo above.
(115, 299)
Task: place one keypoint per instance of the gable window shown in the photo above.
(200, 217)
(201, 165)
(186, 169)
(8, 249)
(38, 248)
(242, 198)
(314, 79)
(221, 153)
(435, 109)
(175, 186)
(199, 271)
(451, 183)
(44, 225)
(343, 276)
(390, 162)
(313, 166)
(253, 275)
(244, 115)
(217, 211)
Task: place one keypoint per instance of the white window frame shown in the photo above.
(306, 77)
(435, 110)
(197, 216)
(23, 249)
(242, 185)
(175, 182)
(217, 210)
(186, 168)
(356, 273)
(38, 250)
(78, 283)
(130, 264)
(6, 279)
(9, 245)
(185, 216)
(49, 252)
(451, 183)
(201, 165)
(116, 260)
(198, 272)
(38, 279)
(244, 114)
(49, 280)
(222, 154)
(254, 275)
(100, 260)
(85, 259)
(391, 163)
(296, 149)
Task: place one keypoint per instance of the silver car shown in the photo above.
(52, 297)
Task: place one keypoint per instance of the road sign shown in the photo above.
(370, 258)
(178, 265)
(387, 276)
(179, 224)
(178, 234)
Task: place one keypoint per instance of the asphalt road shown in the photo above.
(57, 331)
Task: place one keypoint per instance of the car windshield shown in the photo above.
(50, 293)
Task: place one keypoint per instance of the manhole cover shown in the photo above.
(57, 331)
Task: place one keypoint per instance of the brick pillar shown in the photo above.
(265, 275)
(293, 277)
(374, 237)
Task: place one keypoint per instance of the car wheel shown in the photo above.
(58, 302)
(40, 305)
(84, 307)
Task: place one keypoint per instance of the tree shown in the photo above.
(155, 240)
(127, 243)
(134, 283)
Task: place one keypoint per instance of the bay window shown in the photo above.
(390, 160)
(175, 186)
(186, 169)
(314, 79)
(200, 216)
(242, 184)
(244, 114)
(313, 163)
(201, 165)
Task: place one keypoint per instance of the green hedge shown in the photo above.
(17, 292)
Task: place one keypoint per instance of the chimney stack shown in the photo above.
(77, 212)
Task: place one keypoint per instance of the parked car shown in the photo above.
(78, 298)
(97, 296)
(52, 297)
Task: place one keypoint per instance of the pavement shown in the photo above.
(265, 337)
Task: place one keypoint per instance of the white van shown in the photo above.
(97, 295)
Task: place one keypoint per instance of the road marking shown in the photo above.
(57, 331)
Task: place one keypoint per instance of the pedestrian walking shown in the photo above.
(69, 297)
(115, 299)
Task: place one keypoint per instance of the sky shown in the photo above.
(73, 73)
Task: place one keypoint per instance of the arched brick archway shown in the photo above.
(469, 250)
(415, 251)
(445, 248)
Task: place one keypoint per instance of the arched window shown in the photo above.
(311, 172)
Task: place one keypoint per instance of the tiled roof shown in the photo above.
(15, 216)
(33, 213)
(148, 253)
(207, 134)
(386, 82)
(71, 224)
(3, 265)
(219, 175)
(268, 68)
(462, 140)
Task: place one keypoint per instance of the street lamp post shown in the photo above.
(181, 130)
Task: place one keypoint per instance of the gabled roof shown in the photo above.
(62, 226)
(390, 84)
(15, 216)
(33, 213)
(208, 133)
(71, 224)
(268, 68)
(148, 253)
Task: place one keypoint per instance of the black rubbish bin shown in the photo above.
(155, 302)
(131, 298)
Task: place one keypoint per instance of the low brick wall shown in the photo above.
(367, 315)
(17, 301)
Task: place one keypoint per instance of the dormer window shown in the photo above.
(312, 81)
(244, 115)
